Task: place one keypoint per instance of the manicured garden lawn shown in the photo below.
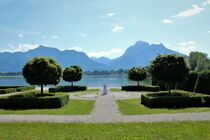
(133, 107)
(75, 107)
(115, 90)
(112, 131)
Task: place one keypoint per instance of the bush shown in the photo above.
(32, 100)
(203, 85)
(7, 90)
(140, 88)
(25, 88)
(67, 89)
(191, 81)
(12, 89)
(178, 99)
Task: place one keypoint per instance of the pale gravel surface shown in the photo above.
(106, 111)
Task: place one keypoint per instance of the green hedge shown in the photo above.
(30, 101)
(178, 99)
(25, 88)
(191, 81)
(67, 89)
(12, 89)
(140, 88)
(203, 85)
(7, 90)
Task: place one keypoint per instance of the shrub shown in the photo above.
(32, 101)
(140, 88)
(67, 89)
(177, 99)
(42, 71)
(137, 74)
(7, 90)
(25, 88)
(191, 81)
(169, 69)
(72, 74)
(203, 84)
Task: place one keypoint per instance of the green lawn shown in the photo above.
(115, 90)
(112, 131)
(75, 107)
(133, 107)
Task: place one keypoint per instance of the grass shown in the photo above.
(75, 107)
(115, 90)
(112, 131)
(133, 107)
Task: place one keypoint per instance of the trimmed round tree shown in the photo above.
(42, 71)
(72, 74)
(169, 69)
(137, 74)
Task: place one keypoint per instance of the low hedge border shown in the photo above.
(178, 99)
(141, 88)
(12, 89)
(29, 101)
(67, 89)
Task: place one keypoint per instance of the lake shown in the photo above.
(117, 80)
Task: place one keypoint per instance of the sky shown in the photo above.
(104, 27)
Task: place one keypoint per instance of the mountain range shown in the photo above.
(139, 54)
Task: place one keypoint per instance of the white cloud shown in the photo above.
(55, 37)
(21, 47)
(117, 29)
(110, 14)
(209, 31)
(167, 21)
(186, 47)
(206, 2)
(76, 48)
(20, 35)
(190, 12)
(110, 53)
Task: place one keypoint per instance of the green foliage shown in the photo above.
(67, 89)
(72, 74)
(199, 61)
(169, 69)
(12, 89)
(177, 99)
(191, 81)
(7, 90)
(32, 100)
(203, 83)
(140, 88)
(137, 74)
(42, 71)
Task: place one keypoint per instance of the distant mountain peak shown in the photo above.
(141, 43)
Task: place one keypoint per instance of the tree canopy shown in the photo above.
(137, 74)
(42, 71)
(169, 69)
(72, 74)
(199, 61)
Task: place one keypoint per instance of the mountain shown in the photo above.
(102, 60)
(139, 54)
(13, 62)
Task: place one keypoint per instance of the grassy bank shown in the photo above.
(112, 131)
(134, 107)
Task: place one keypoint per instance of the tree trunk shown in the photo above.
(138, 83)
(72, 84)
(169, 88)
(41, 88)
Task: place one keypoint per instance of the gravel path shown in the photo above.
(106, 111)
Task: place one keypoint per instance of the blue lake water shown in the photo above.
(89, 80)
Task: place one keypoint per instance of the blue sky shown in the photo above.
(104, 27)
